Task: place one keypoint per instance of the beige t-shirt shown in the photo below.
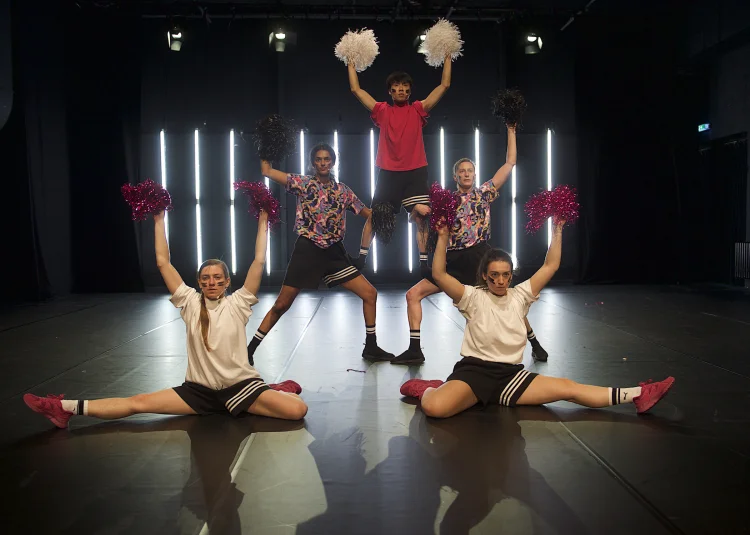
(226, 364)
(495, 328)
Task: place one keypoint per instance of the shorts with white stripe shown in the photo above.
(310, 264)
(235, 399)
(493, 382)
(402, 188)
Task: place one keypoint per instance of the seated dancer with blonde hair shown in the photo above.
(468, 242)
(494, 340)
(219, 378)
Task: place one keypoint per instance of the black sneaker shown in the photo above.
(250, 358)
(373, 353)
(410, 356)
(538, 353)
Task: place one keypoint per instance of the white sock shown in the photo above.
(76, 406)
(623, 395)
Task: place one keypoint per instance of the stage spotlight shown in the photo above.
(174, 38)
(280, 38)
(533, 44)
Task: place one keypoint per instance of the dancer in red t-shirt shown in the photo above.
(401, 160)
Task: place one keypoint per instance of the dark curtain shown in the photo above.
(103, 101)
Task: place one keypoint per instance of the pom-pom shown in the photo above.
(260, 198)
(442, 40)
(509, 105)
(443, 206)
(359, 47)
(563, 204)
(560, 204)
(275, 138)
(383, 222)
(146, 198)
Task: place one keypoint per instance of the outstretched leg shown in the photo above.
(550, 389)
(537, 351)
(283, 405)
(361, 287)
(414, 355)
(286, 297)
(59, 410)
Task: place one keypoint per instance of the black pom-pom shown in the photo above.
(383, 222)
(275, 138)
(509, 105)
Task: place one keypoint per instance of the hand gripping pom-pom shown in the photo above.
(275, 138)
(560, 204)
(383, 222)
(146, 198)
(260, 198)
(442, 40)
(443, 207)
(359, 47)
(509, 105)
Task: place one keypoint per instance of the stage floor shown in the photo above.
(365, 461)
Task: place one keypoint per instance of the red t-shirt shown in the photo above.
(400, 145)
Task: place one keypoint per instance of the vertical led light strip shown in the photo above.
(549, 181)
(231, 202)
(514, 219)
(198, 233)
(442, 157)
(268, 246)
(163, 152)
(476, 154)
(301, 152)
(372, 194)
(336, 150)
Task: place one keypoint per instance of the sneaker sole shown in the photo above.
(410, 361)
(377, 359)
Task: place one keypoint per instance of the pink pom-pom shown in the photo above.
(146, 198)
(560, 204)
(260, 198)
(443, 206)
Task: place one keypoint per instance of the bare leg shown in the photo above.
(418, 215)
(448, 400)
(550, 389)
(286, 297)
(362, 288)
(161, 402)
(414, 296)
(283, 405)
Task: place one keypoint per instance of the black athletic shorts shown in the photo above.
(463, 264)
(402, 188)
(310, 263)
(236, 399)
(493, 382)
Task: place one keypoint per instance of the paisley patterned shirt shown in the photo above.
(473, 217)
(321, 208)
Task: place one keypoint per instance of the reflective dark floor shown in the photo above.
(365, 460)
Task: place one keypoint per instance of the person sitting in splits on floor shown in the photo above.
(219, 379)
(494, 340)
(319, 252)
(467, 245)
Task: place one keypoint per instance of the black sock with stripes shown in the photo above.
(623, 395)
(370, 338)
(422, 260)
(255, 342)
(414, 340)
(363, 252)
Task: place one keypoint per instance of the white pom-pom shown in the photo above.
(359, 47)
(442, 40)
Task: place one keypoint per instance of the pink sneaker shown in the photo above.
(287, 386)
(49, 407)
(651, 394)
(415, 387)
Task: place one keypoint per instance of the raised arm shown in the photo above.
(255, 273)
(552, 261)
(437, 93)
(451, 286)
(363, 96)
(504, 172)
(277, 176)
(171, 278)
